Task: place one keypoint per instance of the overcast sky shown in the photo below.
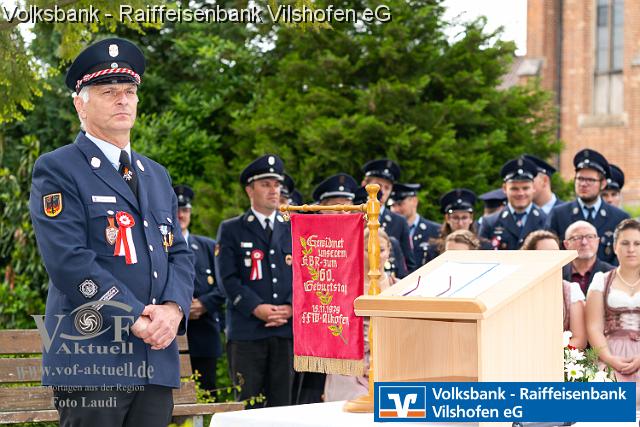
(511, 14)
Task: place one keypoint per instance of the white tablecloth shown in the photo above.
(329, 415)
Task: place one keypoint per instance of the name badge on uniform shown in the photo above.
(103, 199)
(246, 244)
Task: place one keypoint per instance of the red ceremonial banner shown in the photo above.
(328, 275)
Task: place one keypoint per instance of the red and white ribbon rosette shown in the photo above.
(124, 241)
(256, 264)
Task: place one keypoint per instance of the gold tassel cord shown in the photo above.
(326, 365)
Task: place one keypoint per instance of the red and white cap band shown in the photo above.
(88, 77)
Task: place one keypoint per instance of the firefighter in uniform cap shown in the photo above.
(508, 229)
(611, 193)
(288, 193)
(253, 266)
(385, 173)
(296, 198)
(493, 201)
(338, 189)
(457, 206)
(592, 172)
(543, 197)
(205, 315)
(286, 190)
(405, 202)
(105, 219)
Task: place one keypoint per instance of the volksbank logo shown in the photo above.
(400, 403)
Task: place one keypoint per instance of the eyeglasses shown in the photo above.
(583, 180)
(579, 237)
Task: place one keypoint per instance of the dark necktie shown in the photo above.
(127, 173)
(412, 231)
(267, 229)
(519, 219)
(590, 211)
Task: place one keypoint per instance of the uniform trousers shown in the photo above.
(206, 366)
(264, 367)
(151, 407)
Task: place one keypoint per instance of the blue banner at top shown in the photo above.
(505, 401)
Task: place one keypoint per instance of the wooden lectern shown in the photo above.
(511, 331)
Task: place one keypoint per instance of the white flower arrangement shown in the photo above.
(582, 366)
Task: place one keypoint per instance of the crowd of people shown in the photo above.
(523, 214)
(114, 235)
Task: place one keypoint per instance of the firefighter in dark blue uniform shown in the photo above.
(404, 199)
(543, 197)
(205, 316)
(253, 266)
(592, 172)
(508, 229)
(493, 201)
(385, 172)
(120, 272)
(612, 192)
(288, 193)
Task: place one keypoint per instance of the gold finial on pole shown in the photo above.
(365, 403)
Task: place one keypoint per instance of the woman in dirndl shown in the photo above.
(613, 307)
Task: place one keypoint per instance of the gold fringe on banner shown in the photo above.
(328, 366)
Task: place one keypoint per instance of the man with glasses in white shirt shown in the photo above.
(592, 171)
(582, 236)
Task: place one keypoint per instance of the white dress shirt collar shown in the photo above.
(262, 217)
(110, 151)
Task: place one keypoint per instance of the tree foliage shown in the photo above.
(22, 75)
(329, 101)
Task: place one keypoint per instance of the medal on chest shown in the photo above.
(111, 232)
(167, 237)
(124, 239)
(256, 264)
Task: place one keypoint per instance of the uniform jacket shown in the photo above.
(239, 238)
(605, 222)
(501, 230)
(82, 267)
(396, 264)
(204, 333)
(395, 225)
(424, 236)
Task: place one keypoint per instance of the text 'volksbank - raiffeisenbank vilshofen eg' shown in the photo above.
(285, 14)
(442, 397)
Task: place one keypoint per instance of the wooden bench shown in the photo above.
(25, 401)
